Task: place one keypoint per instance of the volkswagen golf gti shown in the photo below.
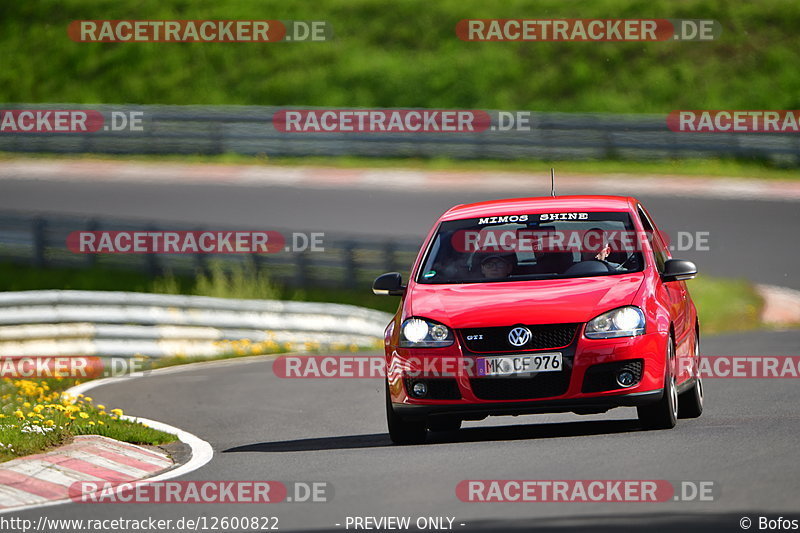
(541, 305)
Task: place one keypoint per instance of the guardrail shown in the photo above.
(348, 261)
(249, 130)
(125, 324)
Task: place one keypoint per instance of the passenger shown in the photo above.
(595, 238)
(595, 245)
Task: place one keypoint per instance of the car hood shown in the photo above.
(472, 305)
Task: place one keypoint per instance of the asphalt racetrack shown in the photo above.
(266, 428)
(751, 239)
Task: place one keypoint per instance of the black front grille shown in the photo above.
(603, 377)
(543, 337)
(438, 388)
(541, 385)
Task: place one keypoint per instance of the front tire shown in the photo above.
(402, 431)
(663, 414)
(690, 403)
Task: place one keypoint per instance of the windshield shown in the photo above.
(532, 246)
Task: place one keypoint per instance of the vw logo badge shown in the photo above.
(519, 336)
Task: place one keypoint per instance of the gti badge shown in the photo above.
(519, 336)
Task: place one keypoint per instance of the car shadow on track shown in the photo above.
(469, 434)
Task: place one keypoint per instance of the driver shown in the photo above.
(497, 266)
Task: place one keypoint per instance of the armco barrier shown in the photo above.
(348, 261)
(56, 322)
(249, 130)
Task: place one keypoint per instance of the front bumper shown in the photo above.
(481, 410)
(577, 389)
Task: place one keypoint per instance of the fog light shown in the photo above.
(419, 389)
(625, 378)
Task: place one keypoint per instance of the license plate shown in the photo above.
(507, 365)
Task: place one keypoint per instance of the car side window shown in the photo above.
(660, 253)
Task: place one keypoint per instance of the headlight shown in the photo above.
(422, 333)
(622, 322)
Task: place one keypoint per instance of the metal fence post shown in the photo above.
(218, 138)
(610, 148)
(258, 262)
(151, 260)
(301, 269)
(350, 266)
(92, 225)
(201, 264)
(388, 250)
(39, 230)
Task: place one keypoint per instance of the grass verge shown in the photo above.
(227, 283)
(37, 415)
(725, 305)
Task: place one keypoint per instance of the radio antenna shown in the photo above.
(553, 182)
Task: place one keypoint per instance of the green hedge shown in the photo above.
(406, 54)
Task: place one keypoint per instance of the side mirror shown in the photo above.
(391, 284)
(678, 270)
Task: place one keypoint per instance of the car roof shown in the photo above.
(541, 204)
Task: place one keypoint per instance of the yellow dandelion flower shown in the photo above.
(117, 412)
(83, 415)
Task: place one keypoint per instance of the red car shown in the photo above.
(541, 305)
